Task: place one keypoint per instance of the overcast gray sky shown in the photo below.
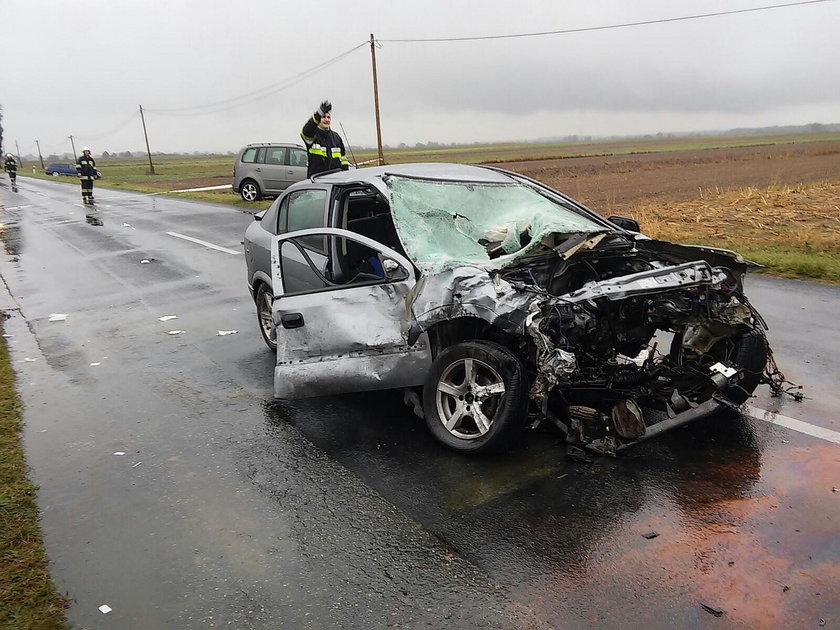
(82, 68)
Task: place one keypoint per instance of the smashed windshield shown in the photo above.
(444, 224)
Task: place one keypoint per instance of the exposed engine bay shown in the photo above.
(620, 326)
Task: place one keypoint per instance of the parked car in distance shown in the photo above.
(57, 169)
(496, 303)
(267, 169)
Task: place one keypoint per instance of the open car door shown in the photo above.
(344, 334)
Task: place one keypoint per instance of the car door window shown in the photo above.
(296, 157)
(306, 209)
(282, 216)
(250, 155)
(260, 159)
(275, 155)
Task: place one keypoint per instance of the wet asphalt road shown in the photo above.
(230, 510)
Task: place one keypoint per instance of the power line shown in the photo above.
(110, 131)
(244, 99)
(606, 27)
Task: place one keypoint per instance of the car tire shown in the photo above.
(264, 300)
(250, 191)
(475, 397)
(54, 174)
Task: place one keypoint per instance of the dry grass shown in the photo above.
(794, 230)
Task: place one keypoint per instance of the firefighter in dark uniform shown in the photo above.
(10, 166)
(326, 150)
(86, 171)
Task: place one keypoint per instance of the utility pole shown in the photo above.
(17, 147)
(73, 144)
(376, 100)
(40, 157)
(145, 135)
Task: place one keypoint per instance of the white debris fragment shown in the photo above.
(105, 609)
(166, 318)
(28, 360)
(137, 464)
(7, 336)
(145, 261)
(222, 333)
(95, 364)
(57, 317)
(128, 225)
(119, 453)
(175, 332)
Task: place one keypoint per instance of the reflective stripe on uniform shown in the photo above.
(317, 151)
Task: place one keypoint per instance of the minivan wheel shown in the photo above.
(265, 299)
(475, 397)
(250, 190)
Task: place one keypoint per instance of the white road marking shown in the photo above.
(18, 207)
(791, 423)
(203, 188)
(205, 243)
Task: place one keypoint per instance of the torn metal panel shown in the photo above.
(469, 292)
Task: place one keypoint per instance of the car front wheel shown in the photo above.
(475, 398)
(265, 300)
(250, 191)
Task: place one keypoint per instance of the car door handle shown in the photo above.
(290, 172)
(258, 170)
(292, 320)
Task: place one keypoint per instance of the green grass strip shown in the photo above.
(28, 598)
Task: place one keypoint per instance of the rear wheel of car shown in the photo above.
(250, 190)
(54, 174)
(476, 397)
(265, 299)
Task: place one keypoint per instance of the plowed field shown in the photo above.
(612, 184)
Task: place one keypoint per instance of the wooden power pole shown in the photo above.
(146, 135)
(73, 144)
(376, 100)
(40, 157)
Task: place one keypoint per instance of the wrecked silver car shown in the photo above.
(497, 303)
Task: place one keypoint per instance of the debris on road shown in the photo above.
(576, 454)
(128, 225)
(166, 318)
(835, 489)
(105, 609)
(28, 360)
(145, 261)
(57, 317)
(175, 332)
(222, 333)
(95, 364)
(650, 535)
(119, 453)
(137, 464)
(717, 612)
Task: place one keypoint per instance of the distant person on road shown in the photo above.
(326, 150)
(10, 166)
(86, 171)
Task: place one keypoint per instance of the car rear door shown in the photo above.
(274, 169)
(296, 164)
(338, 338)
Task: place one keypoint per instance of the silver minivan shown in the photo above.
(268, 168)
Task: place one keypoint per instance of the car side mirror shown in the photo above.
(259, 215)
(393, 269)
(625, 223)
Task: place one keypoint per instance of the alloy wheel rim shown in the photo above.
(269, 329)
(468, 396)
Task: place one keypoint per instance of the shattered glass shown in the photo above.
(444, 224)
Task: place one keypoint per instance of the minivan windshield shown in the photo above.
(444, 224)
